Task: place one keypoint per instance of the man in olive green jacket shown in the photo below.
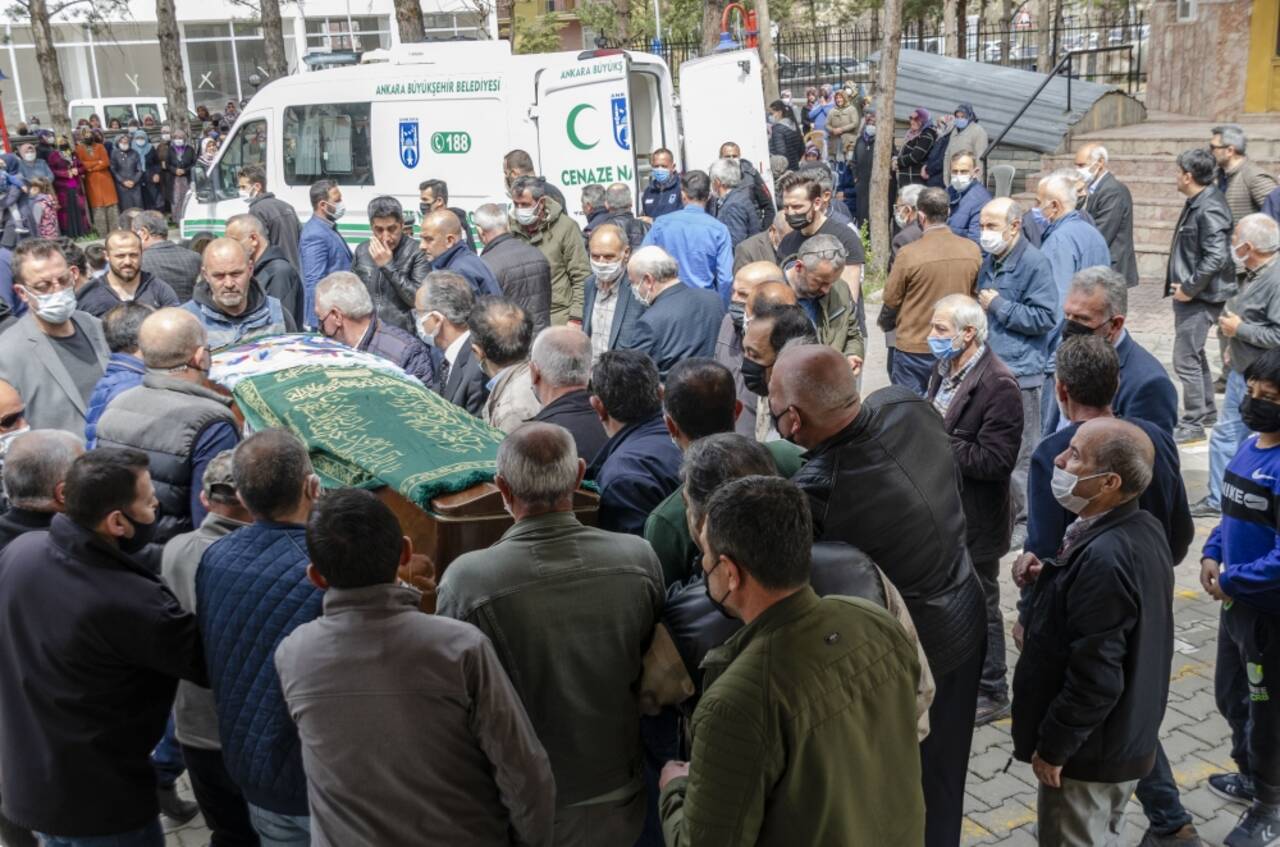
(540, 220)
(820, 748)
(699, 399)
(813, 276)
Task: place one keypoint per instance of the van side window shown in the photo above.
(149, 110)
(330, 140)
(247, 147)
(124, 114)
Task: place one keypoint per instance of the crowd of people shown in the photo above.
(785, 623)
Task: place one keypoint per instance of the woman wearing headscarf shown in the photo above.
(128, 171)
(69, 189)
(31, 165)
(152, 190)
(210, 150)
(863, 154)
(916, 145)
(182, 158)
(968, 137)
(100, 187)
(842, 126)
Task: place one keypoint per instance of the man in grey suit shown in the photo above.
(54, 355)
(1109, 203)
(550, 567)
(610, 309)
(442, 306)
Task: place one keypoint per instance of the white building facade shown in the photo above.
(222, 47)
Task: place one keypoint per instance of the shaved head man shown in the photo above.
(893, 444)
(746, 280)
(610, 310)
(440, 232)
(445, 250)
(173, 416)
(229, 302)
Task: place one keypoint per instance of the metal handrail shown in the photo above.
(1065, 62)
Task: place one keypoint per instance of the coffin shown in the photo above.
(368, 424)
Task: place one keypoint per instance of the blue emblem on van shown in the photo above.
(618, 107)
(410, 152)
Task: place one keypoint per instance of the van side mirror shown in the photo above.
(204, 185)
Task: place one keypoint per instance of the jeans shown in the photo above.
(944, 755)
(224, 808)
(912, 370)
(1082, 814)
(1228, 434)
(166, 759)
(1191, 324)
(151, 835)
(1254, 649)
(1030, 438)
(994, 670)
(277, 830)
(1158, 794)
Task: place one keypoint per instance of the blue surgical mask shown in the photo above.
(942, 348)
(661, 174)
(961, 123)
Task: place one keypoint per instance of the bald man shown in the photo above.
(1093, 677)
(272, 266)
(445, 249)
(610, 310)
(229, 303)
(729, 343)
(881, 477)
(173, 416)
(1109, 203)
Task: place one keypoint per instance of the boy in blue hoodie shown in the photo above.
(1241, 567)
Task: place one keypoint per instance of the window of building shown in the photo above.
(213, 73)
(247, 147)
(358, 34)
(442, 25)
(327, 141)
(1186, 10)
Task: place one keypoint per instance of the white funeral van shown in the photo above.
(451, 110)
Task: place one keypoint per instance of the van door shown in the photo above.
(722, 99)
(583, 114)
(215, 194)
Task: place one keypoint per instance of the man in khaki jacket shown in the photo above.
(938, 264)
(812, 276)
(501, 335)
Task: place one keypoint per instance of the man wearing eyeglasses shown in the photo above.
(55, 354)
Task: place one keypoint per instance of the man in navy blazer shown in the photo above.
(608, 286)
(680, 321)
(322, 249)
(1096, 303)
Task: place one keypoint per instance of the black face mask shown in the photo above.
(142, 535)
(753, 378)
(719, 604)
(736, 313)
(1072, 328)
(798, 221)
(1260, 415)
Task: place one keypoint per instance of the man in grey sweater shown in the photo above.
(1251, 324)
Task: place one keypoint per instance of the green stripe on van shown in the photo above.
(354, 234)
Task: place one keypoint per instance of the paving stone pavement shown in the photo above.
(1000, 803)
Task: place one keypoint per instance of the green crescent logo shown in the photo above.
(572, 131)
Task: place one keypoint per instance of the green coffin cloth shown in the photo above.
(365, 428)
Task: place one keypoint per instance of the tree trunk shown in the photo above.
(950, 28)
(962, 29)
(880, 176)
(768, 55)
(1044, 35)
(409, 20)
(273, 40)
(50, 74)
(622, 18)
(711, 14)
(175, 82)
(1006, 28)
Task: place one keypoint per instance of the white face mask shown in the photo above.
(526, 215)
(246, 195)
(1064, 484)
(28, 157)
(337, 210)
(1086, 174)
(992, 241)
(54, 308)
(961, 181)
(606, 272)
(1238, 260)
(429, 340)
(6, 440)
(870, 130)
(904, 220)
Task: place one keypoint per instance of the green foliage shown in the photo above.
(537, 35)
(681, 19)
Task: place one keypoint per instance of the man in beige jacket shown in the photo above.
(501, 335)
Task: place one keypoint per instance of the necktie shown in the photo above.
(444, 374)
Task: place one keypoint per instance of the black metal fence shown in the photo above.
(843, 54)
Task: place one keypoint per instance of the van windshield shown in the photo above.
(327, 141)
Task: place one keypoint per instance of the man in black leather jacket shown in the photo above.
(880, 476)
(390, 263)
(1200, 278)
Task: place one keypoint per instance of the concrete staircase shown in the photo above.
(1143, 157)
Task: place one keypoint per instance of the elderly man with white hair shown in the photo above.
(680, 321)
(560, 370)
(344, 312)
(1109, 203)
(1251, 324)
(35, 473)
(981, 407)
(735, 207)
(523, 273)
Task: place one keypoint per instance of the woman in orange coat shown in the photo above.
(100, 186)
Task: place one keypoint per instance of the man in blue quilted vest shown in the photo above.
(252, 591)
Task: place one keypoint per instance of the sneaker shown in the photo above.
(991, 709)
(1257, 828)
(1185, 837)
(1186, 433)
(1202, 508)
(174, 807)
(1232, 786)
